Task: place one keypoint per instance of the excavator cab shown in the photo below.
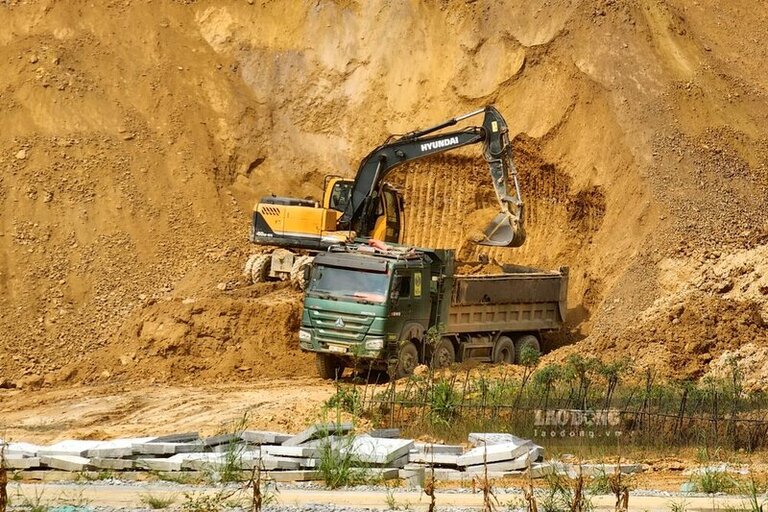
(386, 207)
(336, 191)
(388, 214)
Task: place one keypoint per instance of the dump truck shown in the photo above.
(392, 308)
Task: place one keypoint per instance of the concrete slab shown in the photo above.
(494, 453)
(49, 475)
(489, 438)
(412, 477)
(221, 439)
(382, 473)
(65, 462)
(158, 448)
(395, 464)
(399, 463)
(310, 463)
(201, 461)
(451, 449)
(385, 433)
(238, 447)
(292, 451)
(166, 465)
(376, 450)
(264, 437)
(518, 464)
(73, 447)
(23, 449)
(437, 459)
(447, 474)
(18, 462)
(270, 462)
(334, 441)
(301, 475)
(184, 437)
(115, 464)
(116, 448)
(542, 469)
(318, 430)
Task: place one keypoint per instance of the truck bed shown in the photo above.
(525, 299)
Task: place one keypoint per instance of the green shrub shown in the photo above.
(157, 502)
(347, 399)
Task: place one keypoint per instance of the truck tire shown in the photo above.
(444, 355)
(297, 272)
(528, 340)
(258, 270)
(407, 360)
(504, 351)
(328, 366)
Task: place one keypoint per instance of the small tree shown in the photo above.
(579, 368)
(529, 358)
(546, 378)
(612, 373)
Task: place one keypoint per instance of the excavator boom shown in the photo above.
(505, 230)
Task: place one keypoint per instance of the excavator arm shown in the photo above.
(505, 230)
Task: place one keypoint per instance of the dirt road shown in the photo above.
(109, 411)
(120, 496)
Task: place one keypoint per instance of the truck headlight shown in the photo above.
(304, 335)
(374, 344)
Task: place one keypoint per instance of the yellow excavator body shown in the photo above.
(305, 224)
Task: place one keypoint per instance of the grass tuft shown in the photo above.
(157, 502)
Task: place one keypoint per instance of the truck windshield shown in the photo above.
(344, 282)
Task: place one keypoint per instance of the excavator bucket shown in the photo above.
(506, 228)
(503, 231)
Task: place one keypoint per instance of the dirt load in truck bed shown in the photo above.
(136, 139)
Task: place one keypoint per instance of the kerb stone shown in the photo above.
(378, 451)
(264, 437)
(70, 447)
(318, 430)
(494, 453)
(65, 462)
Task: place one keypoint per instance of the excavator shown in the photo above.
(369, 208)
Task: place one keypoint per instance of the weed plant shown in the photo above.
(157, 502)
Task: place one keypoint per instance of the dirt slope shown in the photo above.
(136, 138)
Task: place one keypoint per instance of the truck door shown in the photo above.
(401, 294)
(412, 296)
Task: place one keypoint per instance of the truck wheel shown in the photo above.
(444, 354)
(259, 267)
(328, 366)
(407, 360)
(504, 351)
(297, 272)
(529, 340)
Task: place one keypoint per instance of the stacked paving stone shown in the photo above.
(499, 455)
(291, 457)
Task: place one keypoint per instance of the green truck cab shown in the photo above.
(397, 307)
